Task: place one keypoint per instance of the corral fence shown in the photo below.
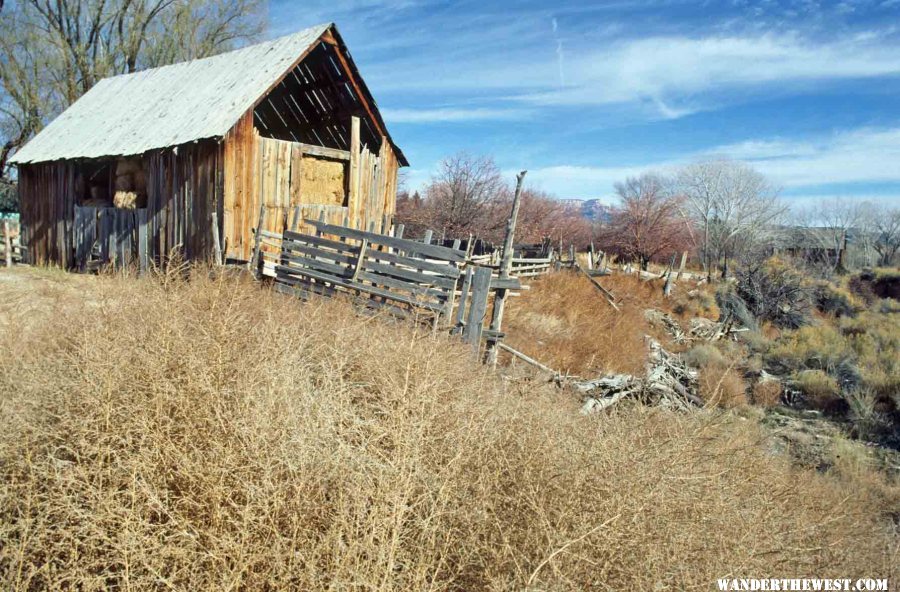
(521, 266)
(385, 271)
(11, 250)
(111, 236)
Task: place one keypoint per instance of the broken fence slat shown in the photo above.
(480, 289)
(409, 246)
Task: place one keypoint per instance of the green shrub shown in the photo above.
(816, 347)
(821, 391)
(836, 301)
(756, 341)
(868, 422)
(703, 355)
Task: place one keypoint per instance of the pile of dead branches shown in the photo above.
(669, 382)
(702, 329)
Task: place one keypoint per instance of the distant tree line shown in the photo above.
(469, 196)
(724, 213)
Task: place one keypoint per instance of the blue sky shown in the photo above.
(583, 94)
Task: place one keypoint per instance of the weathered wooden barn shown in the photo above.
(178, 157)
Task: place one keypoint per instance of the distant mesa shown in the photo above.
(592, 209)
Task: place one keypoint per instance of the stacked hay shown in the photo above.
(323, 181)
(130, 185)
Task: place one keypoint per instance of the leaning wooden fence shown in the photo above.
(404, 276)
(109, 235)
(521, 266)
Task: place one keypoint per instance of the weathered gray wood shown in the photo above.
(111, 237)
(359, 260)
(7, 242)
(463, 297)
(345, 283)
(684, 255)
(510, 283)
(333, 153)
(257, 241)
(505, 267)
(481, 287)
(217, 244)
(408, 246)
(299, 265)
(606, 293)
(294, 241)
(144, 243)
(526, 358)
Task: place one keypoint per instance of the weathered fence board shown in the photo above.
(109, 235)
(10, 243)
(390, 270)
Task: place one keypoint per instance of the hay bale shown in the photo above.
(129, 200)
(322, 181)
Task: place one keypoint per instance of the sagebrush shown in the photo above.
(203, 434)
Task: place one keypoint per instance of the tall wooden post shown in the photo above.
(217, 244)
(681, 267)
(7, 243)
(353, 201)
(505, 266)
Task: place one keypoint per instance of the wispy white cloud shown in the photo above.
(675, 67)
(454, 114)
(861, 156)
(857, 156)
(666, 71)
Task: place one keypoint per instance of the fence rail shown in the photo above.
(389, 270)
(521, 266)
(386, 271)
(11, 250)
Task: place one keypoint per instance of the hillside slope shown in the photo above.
(201, 434)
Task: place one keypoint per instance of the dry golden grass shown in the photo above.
(767, 393)
(205, 435)
(722, 386)
(564, 322)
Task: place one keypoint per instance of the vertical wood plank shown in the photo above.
(353, 201)
(480, 287)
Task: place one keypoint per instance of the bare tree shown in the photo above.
(734, 205)
(52, 52)
(463, 194)
(887, 233)
(826, 228)
(649, 222)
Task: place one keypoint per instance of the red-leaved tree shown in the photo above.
(649, 223)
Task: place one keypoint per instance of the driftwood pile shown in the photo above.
(669, 382)
(701, 329)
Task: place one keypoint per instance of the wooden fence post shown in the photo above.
(7, 242)
(505, 266)
(257, 241)
(681, 267)
(461, 309)
(481, 287)
(217, 244)
(144, 241)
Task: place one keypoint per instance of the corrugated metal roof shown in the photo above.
(167, 106)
